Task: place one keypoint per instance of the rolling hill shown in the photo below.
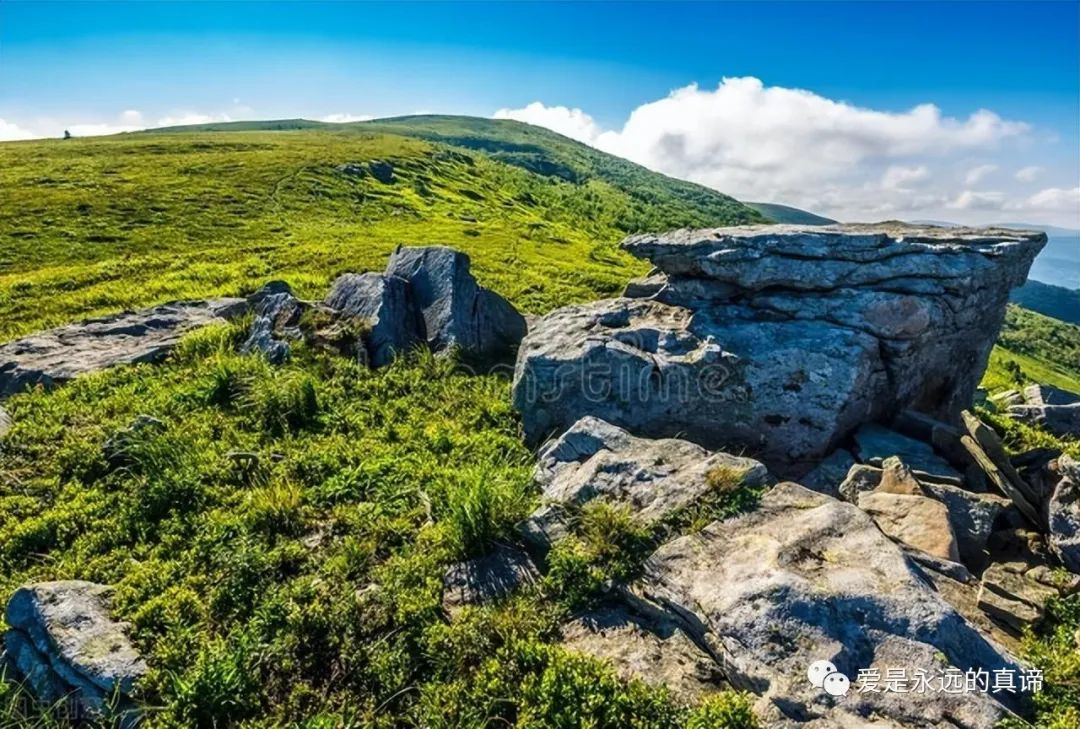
(97, 225)
(787, 214)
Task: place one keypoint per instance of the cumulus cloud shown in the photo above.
(573, 123)
(975, 174)
(186, 118)
(759, 142)
(10, 131)
(898, 177)
(1055, 199)
(346, 118)
(974, 200)
(1028, 174)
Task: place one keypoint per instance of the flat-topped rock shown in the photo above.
(55, 356)
(779, 339)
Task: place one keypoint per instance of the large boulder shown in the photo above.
(383, 305)
(807, 578)
(782, 339)
(654, 479)
(63, 642)
(455, 311)
(55, 356)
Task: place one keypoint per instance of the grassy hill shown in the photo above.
(787, 214)
(303, 588)
(1053, 301)
(95, 225)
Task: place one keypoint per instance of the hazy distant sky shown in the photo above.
(962, 111)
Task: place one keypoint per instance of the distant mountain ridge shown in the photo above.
(787, 214)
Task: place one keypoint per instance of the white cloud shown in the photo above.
(132, 116)
(972, 200)
(10, 131)
(1028, 174)
(898, 177)
(190, 117)
(573, 123)
(1054, 199)
(771, 143)
(976, 174)
(346, 118)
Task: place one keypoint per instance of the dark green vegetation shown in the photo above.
(278, 547)
(1053, 301)
(787, 214)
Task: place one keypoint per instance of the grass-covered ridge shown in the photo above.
(90, 226)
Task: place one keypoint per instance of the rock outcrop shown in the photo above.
(1064, 515)
(806, 578)
(487, 578)
(1054, 409)
(427, 296)
(781, 339)
(654, 479)
(62, 640)
(148, 335)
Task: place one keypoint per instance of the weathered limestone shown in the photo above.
(63, 641)
(804, 578)
(383, 304)
(655, 479)
(782, 339)
(277, 321)
(55, 356)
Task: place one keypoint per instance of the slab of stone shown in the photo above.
(1052, 408)
(918, 522)
(803, 578)
(654, 479)
(383, 305)
(874, 443)
(277, 313)
(657, 652)
(65, 643)
(1011, 598)
(972, 516)
(55, 356)
(860, 479)
(986, 448)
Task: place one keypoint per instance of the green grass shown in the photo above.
(91, 226)
(278, 546)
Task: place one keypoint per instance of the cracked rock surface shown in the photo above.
(778, 339)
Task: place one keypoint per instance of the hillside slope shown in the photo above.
(96, 225)
(787, 214)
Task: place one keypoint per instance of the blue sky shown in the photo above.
(828, 125)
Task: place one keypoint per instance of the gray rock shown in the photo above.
(5, 422)
(778, 338)
(918, 522)
(1055, 409)
(1011, 598)
(655, 479)
(64, 642)
(806, 578)
(972, 517)
(1064, 515)
(382, 304)
(486, 578)
(55, 356)
(830, 473)
(860, 478)
(277, 321)
(657, 652)
(454, 310)
(874, 443)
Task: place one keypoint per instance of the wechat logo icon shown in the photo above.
(823, 675)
